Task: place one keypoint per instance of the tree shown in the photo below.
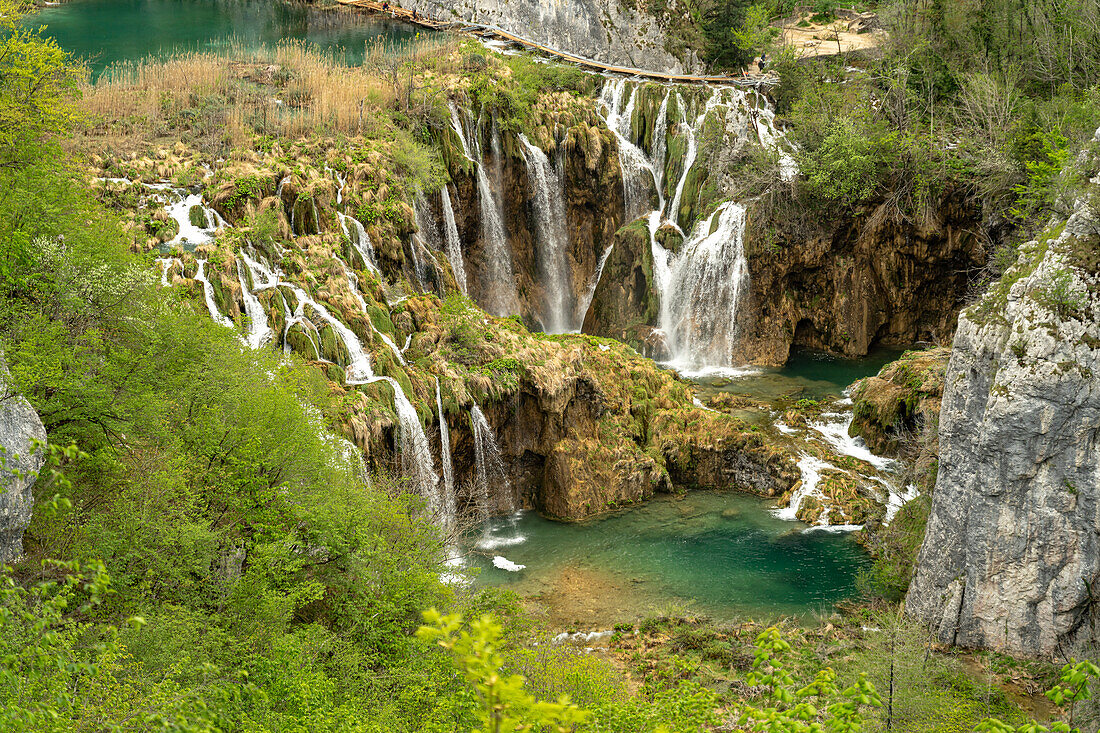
(37, 84)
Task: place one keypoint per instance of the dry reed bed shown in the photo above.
(289, 90)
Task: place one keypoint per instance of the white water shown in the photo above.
(834, 428)
(811, 469)
(500, 297)
(505, 564)
(707, 280)
(189, 233)
(359, 239)
(552, 256)
(489, 467)
(208, 293)
(452, 241)
(259, 333)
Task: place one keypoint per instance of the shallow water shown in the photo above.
(108, 31)
(721, 554)
(808, 374)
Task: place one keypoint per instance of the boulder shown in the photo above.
(20, 426)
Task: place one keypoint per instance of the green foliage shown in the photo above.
(844, 168)
(505, 704)
(37, 84)
(797, 708)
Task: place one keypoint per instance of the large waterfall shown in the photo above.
(699, 308)
(558, 312)
(499, 290)
(701, 285)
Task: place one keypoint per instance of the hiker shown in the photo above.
(385, 6)
(763, 60)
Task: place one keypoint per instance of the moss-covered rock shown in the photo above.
(905, 395)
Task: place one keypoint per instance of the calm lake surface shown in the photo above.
(722, 554)
(107, 31)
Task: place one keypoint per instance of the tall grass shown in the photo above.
(288, 90)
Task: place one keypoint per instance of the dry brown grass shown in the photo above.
(290, 90)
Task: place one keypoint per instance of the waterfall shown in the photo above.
(708, 279)
(450, 511)
(208, 293)
(638, 171)
(701, 286)
(487, 462)
(553, 238)
(500, 297)
(454, 244)
(416, 455)
(357, 235)
(259, 333)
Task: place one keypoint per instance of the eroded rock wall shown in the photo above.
(867, 280)
(602, 30)
(1011, 558)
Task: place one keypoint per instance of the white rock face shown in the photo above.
(19, 425)
(602, 30)
(1011, 558)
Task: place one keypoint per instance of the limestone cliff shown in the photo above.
(603, 30)
(1011, 558)
(19, 426)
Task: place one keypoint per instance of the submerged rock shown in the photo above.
(19, 426)
(1011, 558)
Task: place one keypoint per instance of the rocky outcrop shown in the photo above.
(900, 401)
(625, 305)
(603, 30)
(1011, 558)
(868, 280)
(19, 465)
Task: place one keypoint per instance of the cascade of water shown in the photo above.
(353, 284)
(190, 234)
(553, 238)
(699, 311)
(259, 333)
(700, 287)
(487, 462)
(691, 131)
(208, 293)
(454, 244)
(500, 297)
(449, 502)
(637, 170)
(416, 455)
(359, 239)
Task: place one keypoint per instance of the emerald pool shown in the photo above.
(717, 553)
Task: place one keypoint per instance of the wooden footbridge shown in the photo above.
(493, 32)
